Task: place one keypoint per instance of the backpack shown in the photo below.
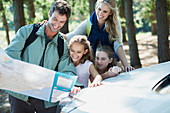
(32, 37)
(88, 27)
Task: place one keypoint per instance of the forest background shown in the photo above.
(145, 27)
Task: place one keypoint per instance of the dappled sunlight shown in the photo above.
(147, 47)
(3, 41)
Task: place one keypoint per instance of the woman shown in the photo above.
(105, 30)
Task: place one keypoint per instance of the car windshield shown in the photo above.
(163, 86)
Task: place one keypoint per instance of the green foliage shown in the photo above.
(8, 8)
(119, 3)
(80, 12)
(149, 10)
(141, 23)
(80, 9)
(41, 10)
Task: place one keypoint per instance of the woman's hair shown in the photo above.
(83, 40)
(109, 53)
(111, 23)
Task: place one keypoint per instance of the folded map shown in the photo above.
(33, 80)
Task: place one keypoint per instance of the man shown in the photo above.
(43, 51)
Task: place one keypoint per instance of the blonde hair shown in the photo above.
(111, 24)
(83, 40)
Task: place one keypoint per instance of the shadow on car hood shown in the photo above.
(129, 92)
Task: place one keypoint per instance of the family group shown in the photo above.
(90, 52)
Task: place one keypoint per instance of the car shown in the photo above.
(144, 90)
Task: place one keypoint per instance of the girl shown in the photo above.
(80, 53)
(105, 63)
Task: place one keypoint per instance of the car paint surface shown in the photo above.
(129, 92)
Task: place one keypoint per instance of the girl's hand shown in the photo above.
(115, 69)
(95, 84)
(128, 68)
(75, 90)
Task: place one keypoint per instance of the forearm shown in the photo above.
(98, 78)
(80, 30)
(108, 75)
(122, 57)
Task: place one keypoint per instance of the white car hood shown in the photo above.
(129, 92)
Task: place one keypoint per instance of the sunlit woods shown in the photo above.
(4, 21)
(18, 13)
(149, 17)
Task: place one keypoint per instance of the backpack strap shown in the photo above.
(31, 37)
(88, 27)
(60, 48)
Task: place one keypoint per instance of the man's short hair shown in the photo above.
(62, 7)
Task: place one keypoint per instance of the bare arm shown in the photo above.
(112, 72)
(94, 73)
(97, 78)
(108, 75)
(122, 57)
(80, 30)
(121, 54)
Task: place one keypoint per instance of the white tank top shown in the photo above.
(83, 72)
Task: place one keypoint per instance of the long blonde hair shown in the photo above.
(83, 40)
(111, 24)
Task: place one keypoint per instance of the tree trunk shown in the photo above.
(4, 21)
(124, 33)
(31, 10)
(163, 31)
(133, 48)
(19, 18)
(92, 5)
(122, 15)
(154, 29)
(153, 18)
